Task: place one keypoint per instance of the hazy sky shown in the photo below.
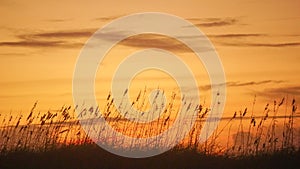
(258, 42)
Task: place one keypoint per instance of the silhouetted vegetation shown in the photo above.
(90, 156)
(55, 139)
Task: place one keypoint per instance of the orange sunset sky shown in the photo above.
(258, 42)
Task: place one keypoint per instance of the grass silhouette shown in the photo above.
(55, 139)
(90, 156)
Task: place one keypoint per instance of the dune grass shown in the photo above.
(55, 139)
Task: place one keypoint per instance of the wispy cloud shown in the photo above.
(41, 40)
(242, 84)
(230, 36)
(66, 38)
(237, 40)
(38, 43)
(238, 35)
(212, 19)
(218, 23)
(215, 22)
(107, 18)
(249, 44)
(153, 41)
(251, 83)
(60, 34)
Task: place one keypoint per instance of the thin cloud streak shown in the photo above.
(63, 39)
(242, 84)
(237, 84)
(40, 44)
(229, 35)
(218, 23)
(60, 34)
(40, 40)
(108, 18)
(150, 41)
(238, 35)
(215, 22)
(246, 44)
